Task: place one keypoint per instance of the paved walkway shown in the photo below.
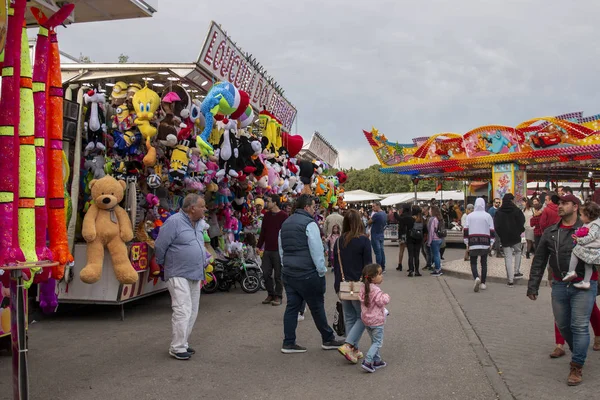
(442, 341)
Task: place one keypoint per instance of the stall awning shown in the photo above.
(356, 196)
(97, 10)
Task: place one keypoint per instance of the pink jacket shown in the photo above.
(374, 315)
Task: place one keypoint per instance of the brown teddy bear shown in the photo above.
(107, 224)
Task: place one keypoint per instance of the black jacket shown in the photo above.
(509, 223)
(405, 223)
(556, 246)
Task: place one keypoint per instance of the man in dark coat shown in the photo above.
(509, 222)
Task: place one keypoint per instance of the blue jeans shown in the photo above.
(352, 321)
(376, 334)
(435, 253)
(572, 308)
(378, 250)
(312, 291)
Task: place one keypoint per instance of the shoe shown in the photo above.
(576, 374)
(292, 348)
(367, 367)
(582, 285)
(268, 300)
(410, 274)
(527, 256)
(399, 267)
(300, 317)
(180, 356)
(570, 276)
(442, 258)
(191, 351)
(379, 364)
(359, 354)
(332, 345)
(347, 351)
(437, 273)
(510, 284)
(477, 285)
(483, 286)
(557, 353)
(276, 301)
(418, 273)
(518, 275)
(597, 343)
(383, 272)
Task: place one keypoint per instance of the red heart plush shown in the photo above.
(293, 143)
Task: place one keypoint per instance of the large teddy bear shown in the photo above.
(107, 224)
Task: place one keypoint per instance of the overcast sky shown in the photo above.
(409, 68)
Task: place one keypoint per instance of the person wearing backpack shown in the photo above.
(414, 241)
(436, 231)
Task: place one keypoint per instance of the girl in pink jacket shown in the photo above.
(373, 314)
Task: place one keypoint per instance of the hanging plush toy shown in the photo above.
(228, 151)
(95, 121)
(145, 103)
(168, 125)
(106, 224)
(118, 96)
(95, 165)
(180, 158)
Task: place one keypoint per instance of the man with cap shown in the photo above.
(509, 222)
(572, 307)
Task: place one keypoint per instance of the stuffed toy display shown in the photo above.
(145, 103)
(106, 224)
(95, 121)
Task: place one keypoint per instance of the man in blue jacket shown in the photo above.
(303, 275)
(180, 249)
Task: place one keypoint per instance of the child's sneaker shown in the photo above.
(379, 364)
(570, 276)
(359, 354)
(582, 285)
(367, 367)
(348, 352)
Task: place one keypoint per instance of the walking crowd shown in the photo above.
(297, 246)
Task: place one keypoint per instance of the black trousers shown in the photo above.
(271, 266)
(414, 253)
(484, 258)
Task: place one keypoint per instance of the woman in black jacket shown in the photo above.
(354, 254)
(414, 241)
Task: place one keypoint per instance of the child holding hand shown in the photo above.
(373, 313)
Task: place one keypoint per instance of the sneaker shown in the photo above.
(379, 364)
(410, 274)
(191, 351)
(437, 273)
(582, 285)
(180, 356)
(367, 367)
(570, 276)
(477, 285)
(300, 317)
(292, 348)
(483, 286)
(276, 301)
(268, 300)
(518, 275)
(332, 345)
(510, 284)
(347, 351)
(359, 354)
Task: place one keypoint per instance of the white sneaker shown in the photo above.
(570, 276)
(300, 317)
(477, 284)
(483, 286)
(582, 285)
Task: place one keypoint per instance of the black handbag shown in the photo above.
(338, 320)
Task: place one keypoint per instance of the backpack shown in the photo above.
(441, 230)
(416, 233)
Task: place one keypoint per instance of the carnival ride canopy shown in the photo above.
(559, 148)
(422, 196)
(357, 196)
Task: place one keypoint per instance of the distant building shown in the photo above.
(318, 148)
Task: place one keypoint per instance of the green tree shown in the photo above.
(123, 58)
(372, 180)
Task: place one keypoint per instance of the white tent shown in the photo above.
(423, 196)
(356, 196)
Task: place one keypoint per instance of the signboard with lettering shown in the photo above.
(221, 58)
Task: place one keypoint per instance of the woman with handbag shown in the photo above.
(352, 252)
(416, 233)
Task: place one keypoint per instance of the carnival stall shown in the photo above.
(548, 149)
